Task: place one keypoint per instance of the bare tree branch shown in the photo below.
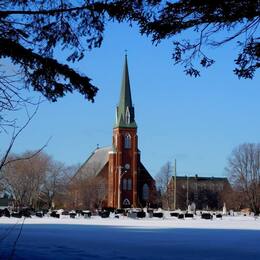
(244, 172)
(4, 160)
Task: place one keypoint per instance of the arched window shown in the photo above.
(127, 116)
(127, 141)
(129, 184)
(116, 115)
(126, 203)
(145, 192)
(124, 184)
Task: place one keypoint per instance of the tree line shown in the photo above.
(41, 182)
(37, 181)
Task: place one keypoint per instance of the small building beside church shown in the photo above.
(207, 193)
(126, 181)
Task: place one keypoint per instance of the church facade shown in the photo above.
(127, 181)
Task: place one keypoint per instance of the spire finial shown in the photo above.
(125, 52)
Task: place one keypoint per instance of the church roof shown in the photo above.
(125, 116)
(143, 170)
(95, 163)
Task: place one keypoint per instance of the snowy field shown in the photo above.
(124, 238)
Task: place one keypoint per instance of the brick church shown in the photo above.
(127, 181)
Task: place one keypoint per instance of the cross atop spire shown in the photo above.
(125, 116)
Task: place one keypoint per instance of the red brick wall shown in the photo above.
(119, 158)
(125, 156)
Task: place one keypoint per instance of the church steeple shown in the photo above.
(125, 116)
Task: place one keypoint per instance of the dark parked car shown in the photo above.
(26, 212)
(206, 216)
(189, 215)
(39, 214)
(16, 215)
(120, 211)
(141, 214)
(181, 216)
(157, 214)
(73, 214)
(54, 214)
(104, 214)
(86, 214)
(5, 213)
(219, 215)
(174, 214)
(65, 213)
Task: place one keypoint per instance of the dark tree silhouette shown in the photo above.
(206, 18)
(30, 32)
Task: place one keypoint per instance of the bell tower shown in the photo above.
(123, 159)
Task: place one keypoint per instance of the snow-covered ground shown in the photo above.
(95, 238)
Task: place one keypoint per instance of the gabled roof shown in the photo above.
(95, 163)
(144, 170)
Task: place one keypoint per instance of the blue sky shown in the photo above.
(198, 121)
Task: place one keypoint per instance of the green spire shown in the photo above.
(125, 116)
